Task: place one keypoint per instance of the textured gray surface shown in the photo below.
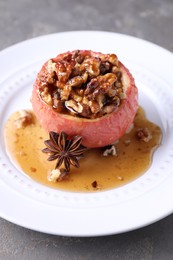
(148, 19)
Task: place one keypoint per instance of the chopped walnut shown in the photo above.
(82, 83)
(25, 118)
(76, 81)
(92, 66)
(65, 93)
(51, 66)
(74, 106)
(143, 134)
(51, 72)
(113, 59)
(110, 150)
(46, 96)
(57, 175)
(94, 184)
(63, 70)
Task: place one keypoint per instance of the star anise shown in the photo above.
(66, 150)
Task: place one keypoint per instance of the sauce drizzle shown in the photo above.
(96, 172)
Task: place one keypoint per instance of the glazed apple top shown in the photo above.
(82, 83)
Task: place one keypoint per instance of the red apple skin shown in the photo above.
(98, 132)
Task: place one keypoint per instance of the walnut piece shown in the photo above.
(143, 134)
(25, 118)
(95, 185)
(45, 95)
(57, 175)
(74, 106)
(110, 150)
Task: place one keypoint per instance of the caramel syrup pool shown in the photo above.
(96, 172)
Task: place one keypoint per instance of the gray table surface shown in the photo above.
(151, 20)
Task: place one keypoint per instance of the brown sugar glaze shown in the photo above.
(96, 171)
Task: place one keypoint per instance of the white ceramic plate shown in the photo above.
(141, 202)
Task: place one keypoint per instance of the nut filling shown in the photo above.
(82, 83)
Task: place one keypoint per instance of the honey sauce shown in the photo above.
(97, 172)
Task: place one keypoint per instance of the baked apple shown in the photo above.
(85, 93)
